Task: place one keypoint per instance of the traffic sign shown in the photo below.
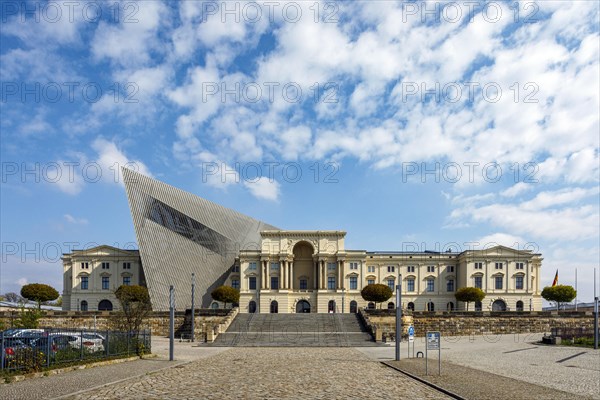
(411, 334)
(433, 340)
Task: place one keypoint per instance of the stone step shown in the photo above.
(295, 330)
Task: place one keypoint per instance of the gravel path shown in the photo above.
(272, 373)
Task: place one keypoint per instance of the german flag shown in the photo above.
(555, 281)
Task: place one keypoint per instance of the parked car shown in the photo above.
(11, 346)
(19, 332)
(53, 342)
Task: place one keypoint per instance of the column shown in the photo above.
(263, 275)
(316, 275)
(268, 275)
(340, 275)
(291, 275)
(282, 274)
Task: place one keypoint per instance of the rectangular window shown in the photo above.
(331, 266)
(371, 268)
(252, 265)
(353, 265)
(252, 283)
(84, 283)
(499, 265)
(478, 265)
(303, 284)
(391, 268)
(390, 283)
(450, 285)
(353, 283)
(431, 268)
(126, 280)
(498, 282)
(236, 268)
(519, 282)
(126, 265)
(105, 265)
(410, 285)
(370, 281)
(235, 283)
(105, 283)
(274, 265)
(520, 265)
(274, 283)
(430, 285)
(450, 268)
(410, 268)
(85, 265)
(478, 281)
(331, 282)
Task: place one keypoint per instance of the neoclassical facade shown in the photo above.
(311, 271)
(90, 277)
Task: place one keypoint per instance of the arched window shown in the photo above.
(371, 305)
(519, 305)
(214, 305)
(430, 306)
(274, 307)
(411, 306)
(252, 307)
(478, 306)
(84, 305)
(353, 307)
(391, 305)
(105, 305)
(450, 306)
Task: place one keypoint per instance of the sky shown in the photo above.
(407, 124)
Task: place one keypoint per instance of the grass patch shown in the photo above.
(579, 342)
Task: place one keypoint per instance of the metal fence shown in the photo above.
(31, 351)
(572, 333)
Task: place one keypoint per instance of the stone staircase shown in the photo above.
(291, 330)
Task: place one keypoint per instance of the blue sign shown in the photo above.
(433, 340)
(411, 331)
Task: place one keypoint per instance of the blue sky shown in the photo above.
(399, 122)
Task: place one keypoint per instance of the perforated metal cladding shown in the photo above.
(179, 234)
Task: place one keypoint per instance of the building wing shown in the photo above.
(179, 233)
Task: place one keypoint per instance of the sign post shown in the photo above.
(411, 339)
(433, 342)
(171, 322)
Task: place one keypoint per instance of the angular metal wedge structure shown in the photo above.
(179, 233)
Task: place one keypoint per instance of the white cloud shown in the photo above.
(110, 159)
(76, 221)
(22, 281)
(264, 188)
(503, 239)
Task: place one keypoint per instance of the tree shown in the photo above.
(376, 292)
(226, 294)
(559, 294)
(135, 307)
(13, 297)
(469, 294)
(39, 292)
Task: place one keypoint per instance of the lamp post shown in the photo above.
(171, 322)
(193, 306)
(398, 316)
(343, 299)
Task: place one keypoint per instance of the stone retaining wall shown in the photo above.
(214, 321)
(464, 323)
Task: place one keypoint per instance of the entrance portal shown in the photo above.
(331, 306)
(252, 307)
(353, 307)
(499, 305)
(274, 307)
(303, 306)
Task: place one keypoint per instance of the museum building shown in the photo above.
(282, 271)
